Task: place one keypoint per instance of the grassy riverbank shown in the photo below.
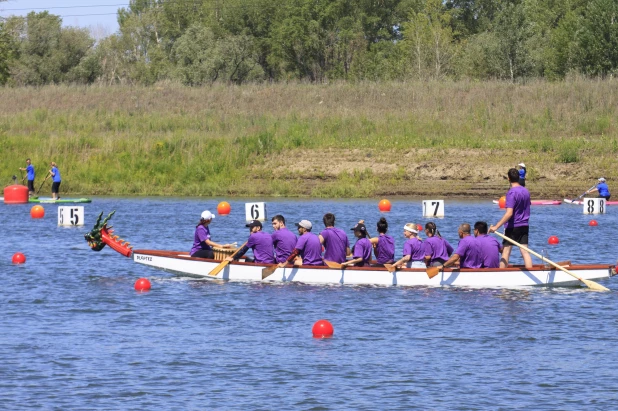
(340, 140)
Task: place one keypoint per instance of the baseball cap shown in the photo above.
(522, 165)
(602, 179)
(254, 223)
(360, 227)
(306, 224)
(207, 215)
(411, 228)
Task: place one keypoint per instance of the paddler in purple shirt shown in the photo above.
(283, 239)
(202, 244)
(335, 240)
(515, 219)
(413, 249)
(490, 247)
(437, 249)
(468, 253)
(384, 244)
(259, 242)
(308, 247)
(361, 254)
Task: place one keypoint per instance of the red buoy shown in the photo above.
(37, 211)
(593, 223)
(15, 194)
(553, 240)
(322, 329)
(384, 205)
(502, 202)
(142, 284)
(419, 227)
(18, 258)
(224, 208)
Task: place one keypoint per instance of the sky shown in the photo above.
(97, 15)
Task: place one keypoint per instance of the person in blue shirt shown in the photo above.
(30, 175)
(602, 189)
(521, 168)
(56, 180)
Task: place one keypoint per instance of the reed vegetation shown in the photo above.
(259, 139)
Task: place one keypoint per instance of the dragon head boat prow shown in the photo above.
(102, 235)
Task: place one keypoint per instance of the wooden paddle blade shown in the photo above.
(332, 264)
(594, 286)
(390, 267)
(223, 264)
(433, 271)
(269, 270)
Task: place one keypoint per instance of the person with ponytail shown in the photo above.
(437, 249)
(361, 253)
(383, 245)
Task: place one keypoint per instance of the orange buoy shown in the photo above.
(142, 284)
(224, 208)
(37, 211)
(502, 202)
(322, 329)
(593, 223)
(15, 194)
(18, 258)
(384, 205)
(553, 240)
(419, 227)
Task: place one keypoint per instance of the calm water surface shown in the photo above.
(75, 335)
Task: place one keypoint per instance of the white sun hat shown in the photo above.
(207, 215)
(522, 165)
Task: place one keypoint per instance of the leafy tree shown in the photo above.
(597, 39)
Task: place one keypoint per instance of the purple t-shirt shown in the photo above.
(310, 249)
(518, 198)
(335, 243)
(469, 252)
(437, 248)
(490, 251)
(284, 241)
(415, 249)
(262, 245)
(201, 234)
(385, 249)
(362, 249)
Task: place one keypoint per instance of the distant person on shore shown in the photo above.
(490, 247)
(515, 220)
(260, 242)
(521, 169)
(284, 240)
(361, 253)
(308, 247)
(437, 249)
(602, 188)
(413, 249)
(56, 180)
(30, 176)
(467, 253)
(383, 244)
(335, 240)
(202, 244)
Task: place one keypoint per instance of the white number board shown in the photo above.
(255, 211)
(433, 208)
(594, 206)
(71, 216)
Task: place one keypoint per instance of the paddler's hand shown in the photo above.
(283, 264)
(493, 229)
(229, 259)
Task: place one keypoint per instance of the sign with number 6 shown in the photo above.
(255, 211)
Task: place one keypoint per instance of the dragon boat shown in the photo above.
(182, 263)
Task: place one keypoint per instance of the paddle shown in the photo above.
(224, 263)
(433, 271)
(591, 284)
(332, 264)
(41, 186)
(585, 192)
(22, 176)
(390, 267)
(269, 270)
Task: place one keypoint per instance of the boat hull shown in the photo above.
(182, 263)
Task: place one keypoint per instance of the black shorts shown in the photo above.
(204, 254)
(55, 187)
(518, 234)
(522, 182)
(30, 185)
(606, 197)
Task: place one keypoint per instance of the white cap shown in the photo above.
(207, 215)
(522, 165)
(410, 229)
(602, 179)
(306, 224)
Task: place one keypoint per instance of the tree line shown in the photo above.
(201, 42)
